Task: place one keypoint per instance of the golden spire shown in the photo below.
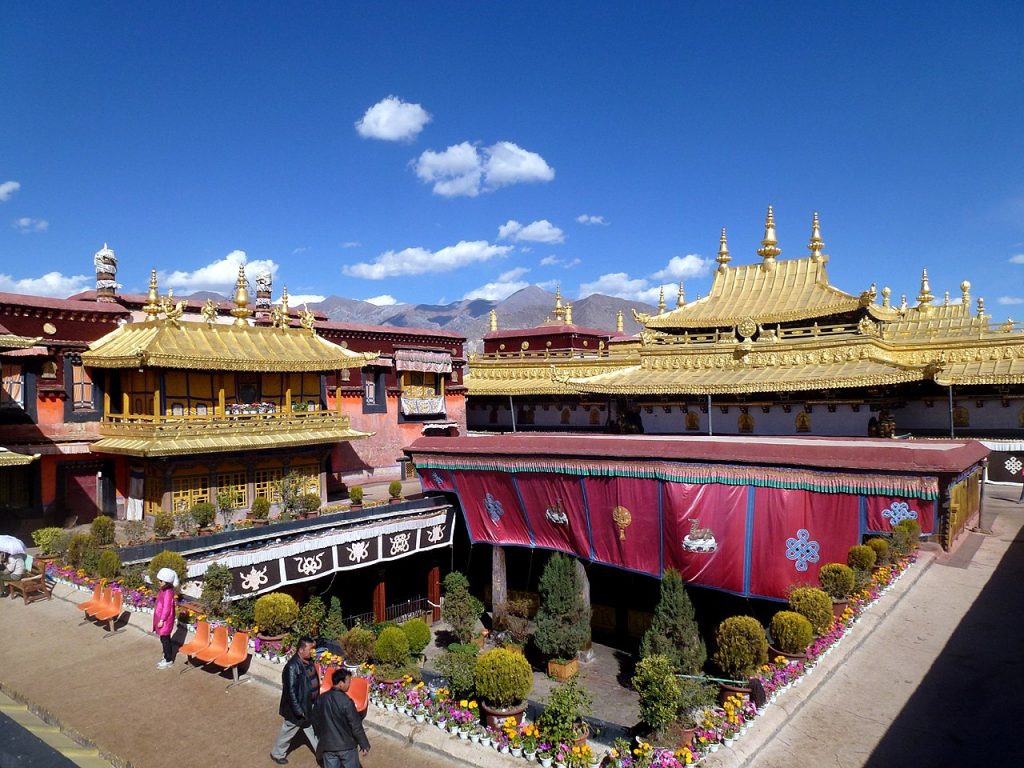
(152, 307)
(817, 245)
(886, 293)
(568, 314)
(769, 249)
(965, 296)
(241, 311)
(494, 321)
(618, 322)
(903, 302)
(559, 311)
(661, 301)
(925, 297)
(284, 306)
(981, 307)
(681, 298)
(723, 252)
(945, 299)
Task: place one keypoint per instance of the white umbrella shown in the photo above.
(11, 545)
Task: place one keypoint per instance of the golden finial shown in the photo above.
(769, 249)
(925, 297)
(681, 298)
(559, 311)
(152, 307)
(284, 305)
(903, 302)
(241, 311)
(981, 307)
(209, 312)
(307, 320)
(945, 299)
(817, 245)
(886, 293)
(965, 295)
(661, 301)
(494, 321)
(568, 314)
(723, 252)
(619, 322)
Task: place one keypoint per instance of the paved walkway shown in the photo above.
(27, 740)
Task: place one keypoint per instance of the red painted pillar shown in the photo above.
(434, 593)
(380, 600)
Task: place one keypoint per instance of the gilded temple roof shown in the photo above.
(160, 444)
(202, 346)
(12, 459)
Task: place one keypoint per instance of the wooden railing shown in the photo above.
(144, 426)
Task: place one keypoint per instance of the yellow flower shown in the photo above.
(463, 703)
(472, 705)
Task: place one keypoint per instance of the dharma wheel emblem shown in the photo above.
(747, 327)
(622, 519)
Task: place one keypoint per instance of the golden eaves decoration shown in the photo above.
(12, 341)
(199, 346)
(13, 459)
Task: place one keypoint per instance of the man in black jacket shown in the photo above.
(338, 726)
(299, 688)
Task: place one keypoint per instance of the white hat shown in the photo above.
(168, 576)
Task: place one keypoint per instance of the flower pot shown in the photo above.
(560, 671)
(495, 716)
(545, 762)
(256, 522)
(725, 690)
(788, 656)
(530, 756)
(838, 606)
(270, 638)
(582, 734)
(517, 751)
(686, 737)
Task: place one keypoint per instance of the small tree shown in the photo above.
(102, 530)
(656, 683)
(216, 586)
(163, 524)
(563, 621)
(227, 502)
(260, 509)
(203, 513)
(292, 486)
(311, 616)
(460, 609)
(564, 710)
(674, 632)
(332, 626)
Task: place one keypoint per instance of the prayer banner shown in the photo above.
(491, 508)
(625, 523)
(554, 507)
(705, 533)
(886, 511)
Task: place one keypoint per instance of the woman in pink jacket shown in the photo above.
(164, 613)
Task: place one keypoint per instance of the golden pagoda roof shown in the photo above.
(10, 458)
(13, 341)
(201, 346)
(1000, 371)
(161, 445)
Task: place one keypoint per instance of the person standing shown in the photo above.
(299, 688)
(164, 613)
(338, 726)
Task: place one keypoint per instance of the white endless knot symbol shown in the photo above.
(358, 551)
(899, 511)
(802, 549)
(400, 543)
(435, 534)
(307, 566)
(255, 579)
(1013, 465)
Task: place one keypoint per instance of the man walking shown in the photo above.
(299, 689)
(338, 725)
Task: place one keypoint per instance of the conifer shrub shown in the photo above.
(861, 557)
(79, 546)
(674, 632)
(102, 530)
(838, 580)
(741, 647)
(311, 615)
(503, 678)
(163, 524)
(813, 604)
(355, 494)
(203, 514)
(260, 509)
(460, 608)
(357, 645)
(881, 549)
(656, 683)
(563, 620)
(108, 564)
(418, 634)
(275, 613)
(906, 535)
(217, 583)
(333, 627)
(791, 632)
(167, 559)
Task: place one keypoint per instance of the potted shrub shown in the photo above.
(861, 558)
(102, 530)
(333, 627)
(458, 666)
(562, 717)
(881, 549)
(203, 514)
(906, 535)
(274, 614)
(259, 512)
(163, 525)
(216, 587)
(395, 490)
(656, 683)
(417, 632)
(459, 608)
(695, 697)
(392, 653)
(741, 649)
(357, 645)
(563, 620)
(674, 632)
(186, 523)
(838, 580)
(108, 565)
(311, 616)
(813, 604)
(355, 496)
(503, 679)
(791, 633)
(135, 532)
(309, 504)
(167, 559)
(52, 542)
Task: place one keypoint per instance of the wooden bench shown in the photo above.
(33, 585)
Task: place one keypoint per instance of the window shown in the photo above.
(309, 477)
(13, 488)
(81, 387)
(13, 393)
(374, 400)
(419, 384)
(268, 485)
(186, 491)
(236, 484)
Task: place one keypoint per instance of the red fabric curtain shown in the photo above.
(885, 511)
(435, 479)
(491, 508)
(633, 540)
(714, 557)
(797, 532)
(554, 507)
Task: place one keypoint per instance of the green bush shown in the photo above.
(243, 611)
(275, 613)
(741, 646)
(48, 539)
(838, 580)
(309, 503)
(674, 632)
(332, 626)
(135, 532)
(791, 632)
(102, 530)
(563, 620)
(458, 666)
(260, 509)
(563, 711)
(861, 558)
(906, 536)
(355, 494)
(167, 559)
(814, 605)
(881, 549)
(131, 577)
(453, 581)
(203, 514)
(459, 608)
(395, 489)
(503, 678)
(658, 687)
(417, 632)
(311, 616)
(163, 524)
(695, 697)
(357, 645)
(392, 652)
(78, 547)
(217, 583)
(108, 564)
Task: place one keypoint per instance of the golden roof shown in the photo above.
(533, 374)
(201, 346)
(999, 371)
(12, 459)
(12, 341)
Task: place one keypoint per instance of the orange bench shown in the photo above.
(234, 657)
(218, 647)
(358, 689)
(109, 612)
(200, 641)
(99, 597)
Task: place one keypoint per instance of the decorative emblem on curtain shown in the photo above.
(437, 479)
(622, 519)
(700, 540)
(802, 549)
(899, 511)
(1013, 465)
(556, 514)
(255, 578)
(494, 508)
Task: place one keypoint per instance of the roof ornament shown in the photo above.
(307, 320)
(723, 252)
(172, 311)
(981, 308)
(494, 321)
(925, 297)
(817, 245)
(241, 311)
(619, 322)
(681, 298)
(661, 301)
(568, 314)
(769, 249)
(209, 312)
(280, 315)
(886, 293)
(903, 302)
(945, 299)
(559, 311)
(965, 295)
(152, 306)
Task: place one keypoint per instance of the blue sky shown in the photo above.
(429, 152)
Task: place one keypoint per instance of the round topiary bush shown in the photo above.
(355, 494)
(395, 489)
(163, 524)
(392, 648)
(109, 564)
(357, 645)
(791, 632)
(881, 549)
(309, 503)
(418, 634)
(906, 535)
(813, 604)
(80, 546)
(260, 509)
(741, 646)
(203, 514)
(275, 613)
(167, 559)
(861, 558)
(658, 687)
(503, 678)
(838, 580)
(102, 530)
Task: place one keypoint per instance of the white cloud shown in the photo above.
(554, 261)
(25, 224)
(384, 300)
(298, 299)
(301, 249)
(1009, 300)
(392, 119)
(506, 284)
(218, 276)
(542, 231)
(52, 284)
(1017, 258)
(632, 288)
(7, 189)
(351, 244)
(464, 171)
(590, 219)
(418, 261)
(683, 268)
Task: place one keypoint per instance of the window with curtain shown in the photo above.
(81, 387)
(13, 393)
